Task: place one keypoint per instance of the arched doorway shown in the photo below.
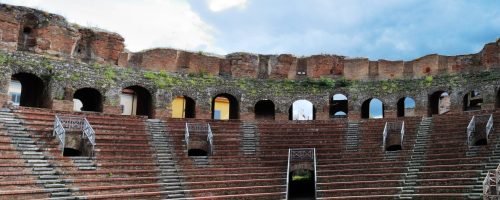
(338, 106)
(372, 109)
(90, 98)
(225, 106)
(29, 90)
(406, 107)
(183, 107)
(264, 110)
(302, 110)
(472, 101)
(439, 103)
(136, 100)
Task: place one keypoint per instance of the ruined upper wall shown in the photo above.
(26, 29)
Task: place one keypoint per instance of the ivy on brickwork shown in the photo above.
(106, 76)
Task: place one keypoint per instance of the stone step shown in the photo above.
(55, 185)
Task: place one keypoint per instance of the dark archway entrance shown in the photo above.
(406, 107)
(439, 103)
(91, 99)
(338, 106)
(136, 100)
(372, 109)
(472, 101)
(225, 106)
(33, 91)
(301, 186)
(264, 110)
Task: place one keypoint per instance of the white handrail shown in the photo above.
(210, 138)
(315, 176)
(71, 123)
(470, 129)
(186, 137)
(402, 133)
(384, 137)
(59, 132)
(489, 126)
(288, 173)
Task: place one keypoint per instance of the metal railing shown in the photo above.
(486, 120)
(199, 129)
(301, 155)
(59, 132)
(71, 123)
(393, 127)
(488, 183)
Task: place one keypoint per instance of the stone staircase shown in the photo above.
(417, 158)
(170, 179)
(352, 139)
(492, 164)
(84, 163)
(250, 140)
(47, 174)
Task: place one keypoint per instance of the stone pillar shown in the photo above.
(354, 115)
(4, 99)
(390, 113)
(281, 117)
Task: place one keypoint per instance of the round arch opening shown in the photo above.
(339, 106)
(29, 90)
(90, 99)
(472, 101)
(372, 109)
(302, 110)
(183, 107)
(264, 110)
(136, 100)
(406, 107)
(225, 106)
(439, 103)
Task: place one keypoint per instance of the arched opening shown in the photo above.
(481, 142)
(372, 109)
(90, 98)
(197, 152)
(338, 106)
(183, 107)
(224, 107)
(301, 184)
(472, 101)
(136, 100)
(27, 33)
(406, 107)
(302, 110)
(395, 147)
(264, 110)
(439, 103)
(29, 90)
(71, 152)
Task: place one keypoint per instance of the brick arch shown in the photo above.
(35, 91)
(365, 107)
(290, 107)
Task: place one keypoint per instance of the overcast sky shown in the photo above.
(381, 29)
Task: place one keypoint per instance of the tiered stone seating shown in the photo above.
(451, 168)
(17, 179)
(229, 173)
(126, 166)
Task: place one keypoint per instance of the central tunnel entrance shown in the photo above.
(301, 174)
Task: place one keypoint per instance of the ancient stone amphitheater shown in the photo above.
(83, 118)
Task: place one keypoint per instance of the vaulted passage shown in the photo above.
(225, 106)
(338, 106)
(32, 91)
(91, 100)
(439, 103)
(183, 107)
(372, 109)
(197, 152)
(136, 100)
(71, 152)
(264, 110)
(301, 185)
(302, 110)
(472, 101)
(406, 107)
